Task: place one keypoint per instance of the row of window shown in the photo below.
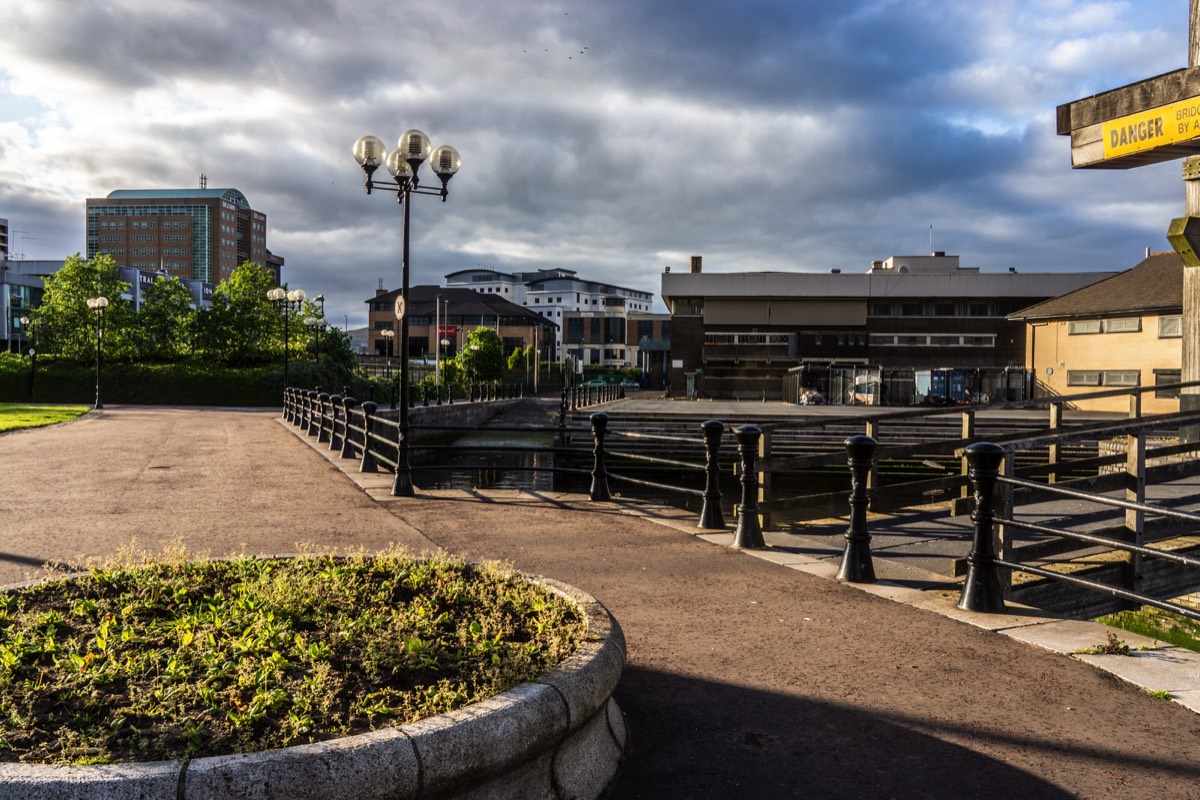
(1169, 327)
(932, 340)
(945, 308)
(1125, 378)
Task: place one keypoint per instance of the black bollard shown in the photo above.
(348, 450)
(749, 531)
(856, 559)
(368, 463)
(599, 489)
(710, 515)
(981, 589)
(322, 434)
(335, 438)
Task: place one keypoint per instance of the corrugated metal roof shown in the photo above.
(816, 285)
(1155, 284)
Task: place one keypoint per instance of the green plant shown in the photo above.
(1113, 647)
(170, 658)
(1158, 624)
(1161, 694)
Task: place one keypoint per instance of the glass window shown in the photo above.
(1122, 377)
(1123, 325)
(877, 338)
(1164, 377)
(1076, 377)
(912, 341)
(944, 341)
(1170, 327)
(1082, 326)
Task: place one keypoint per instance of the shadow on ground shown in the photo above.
(691, 738)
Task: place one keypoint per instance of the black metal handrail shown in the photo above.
(981, 590)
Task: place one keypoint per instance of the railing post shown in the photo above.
(873, 474)
(1054, 451)
(710, 515)
(981, 589)
(287, 404)
(749, 530)
(322, 435)
(335, 440)
(368, 463)
(968, 433)
(599, 490)
(857, 566)
(348, 405)
(1135, 491)
(311, 428)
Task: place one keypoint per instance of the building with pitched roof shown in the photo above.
(197, 234)
(438, 313)
(1124, 331)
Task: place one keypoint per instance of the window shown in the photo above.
(979, 341)
(944, 341)
(1170, 327)
(1083, 377)
(1081, 326)
(1123, 377)
(943, 309)
(1123, 325)
(912, 341)
(1163, 377)
(877, 338)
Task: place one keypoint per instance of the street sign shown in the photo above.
(400, 307)
(1154, 120)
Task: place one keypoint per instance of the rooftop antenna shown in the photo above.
(203, 181)
(22, 235)
(930, 240)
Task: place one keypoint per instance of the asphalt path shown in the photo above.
(745, 679)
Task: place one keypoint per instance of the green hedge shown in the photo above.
(182, 383)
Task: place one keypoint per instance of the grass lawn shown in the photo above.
(19, 415)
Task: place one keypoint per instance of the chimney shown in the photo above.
(695, 265)
(939, 253)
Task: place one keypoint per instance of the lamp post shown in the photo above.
(388, 335)
(97, 305)
(285, 301)
(317, 326)
(404, 163)
(29, 333)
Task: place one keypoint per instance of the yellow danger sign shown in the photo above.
(1147, 130)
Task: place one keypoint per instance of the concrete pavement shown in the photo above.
(750, 675)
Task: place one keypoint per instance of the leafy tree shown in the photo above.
(242, 326)
(67, 326)
(482, 358)
(165, 319)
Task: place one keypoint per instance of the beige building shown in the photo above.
(1121, 332)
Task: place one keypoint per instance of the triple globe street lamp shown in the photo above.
(97, 305)
(286, 301)
(404, 164)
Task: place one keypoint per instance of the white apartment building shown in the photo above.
(559, 296)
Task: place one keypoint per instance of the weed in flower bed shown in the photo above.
(186, 658)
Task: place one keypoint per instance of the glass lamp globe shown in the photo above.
(369, 152)
(445, 161)
(401, 170)
(415, 145)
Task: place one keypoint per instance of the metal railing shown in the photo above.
(983, 587)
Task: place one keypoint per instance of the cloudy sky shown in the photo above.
(612, 137)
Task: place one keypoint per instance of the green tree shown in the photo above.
(482, 358)
(165, 319)
(67, 326)
(243, 327)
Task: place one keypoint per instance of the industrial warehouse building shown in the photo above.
(910, 329)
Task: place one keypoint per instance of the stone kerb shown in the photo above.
(559, 736)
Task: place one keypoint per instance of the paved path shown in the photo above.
(746, 678)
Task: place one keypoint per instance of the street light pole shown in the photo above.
(404, 163)
(97, 305)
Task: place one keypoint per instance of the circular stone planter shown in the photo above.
(561, 735)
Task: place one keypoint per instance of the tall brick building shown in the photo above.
(200, 234)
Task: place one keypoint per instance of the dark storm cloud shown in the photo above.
(609, 137)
